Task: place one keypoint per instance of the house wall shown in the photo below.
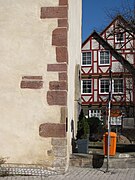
(74, 44)
(96, 70)
(36, 80)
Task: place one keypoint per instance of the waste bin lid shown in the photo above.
(112, 134)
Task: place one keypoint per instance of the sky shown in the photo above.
(95, 14)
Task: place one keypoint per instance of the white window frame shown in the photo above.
(116, 37)
(82, 86)
(100, 86)
(113, 84)
(88, 64)
(116, 121)
(102, 64)
(96, 113)
(113, 80)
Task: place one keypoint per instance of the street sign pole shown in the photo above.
(109, 118)
(108, 139)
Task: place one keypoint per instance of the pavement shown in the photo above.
(91, 167)
(98, 160)
(78, 173)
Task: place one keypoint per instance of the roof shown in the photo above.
(107, 46)
(118, 17)
(122, 20)
(118, 56)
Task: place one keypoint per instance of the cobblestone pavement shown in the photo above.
(77, 173)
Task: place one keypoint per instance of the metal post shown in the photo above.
(108, 139)
(109, 118)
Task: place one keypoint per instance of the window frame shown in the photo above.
(100, 86)
(96, 113)
(113, 85)
(90, 64)
(116, 37)
(83, 87)
(99, 55)
(119, 86)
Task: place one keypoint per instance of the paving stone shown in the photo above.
(78, 173)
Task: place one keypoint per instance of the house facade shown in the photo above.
(39, 69)
(108, 61)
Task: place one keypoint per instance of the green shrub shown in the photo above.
(83, 127)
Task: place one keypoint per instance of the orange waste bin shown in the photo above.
(112, 144)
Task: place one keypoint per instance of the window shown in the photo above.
(116, 121)
(86, 86)
(86, 58)
(118, 86)
(104, 57)
(96, 113)
(104, 86)
(120, 37)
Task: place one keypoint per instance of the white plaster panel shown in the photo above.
(95, 96)
(113, 58)
(95, 44)
(104, 69)
(130, 58)
(86, 98)
(129, 45)
(95, 55)
(86, 46)
(86, 69)
(95, 67)
(117, 67)
(111, 42)
(109, 31)
(95, 83)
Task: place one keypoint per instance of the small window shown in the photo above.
(120, 37)
(96, 113)
(86, 86)
(117, 121)
(86, 58)
(104, 57)
(104, 86)
(118, 85)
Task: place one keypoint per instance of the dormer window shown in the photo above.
(120, 37)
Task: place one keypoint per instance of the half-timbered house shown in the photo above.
(109, 57)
